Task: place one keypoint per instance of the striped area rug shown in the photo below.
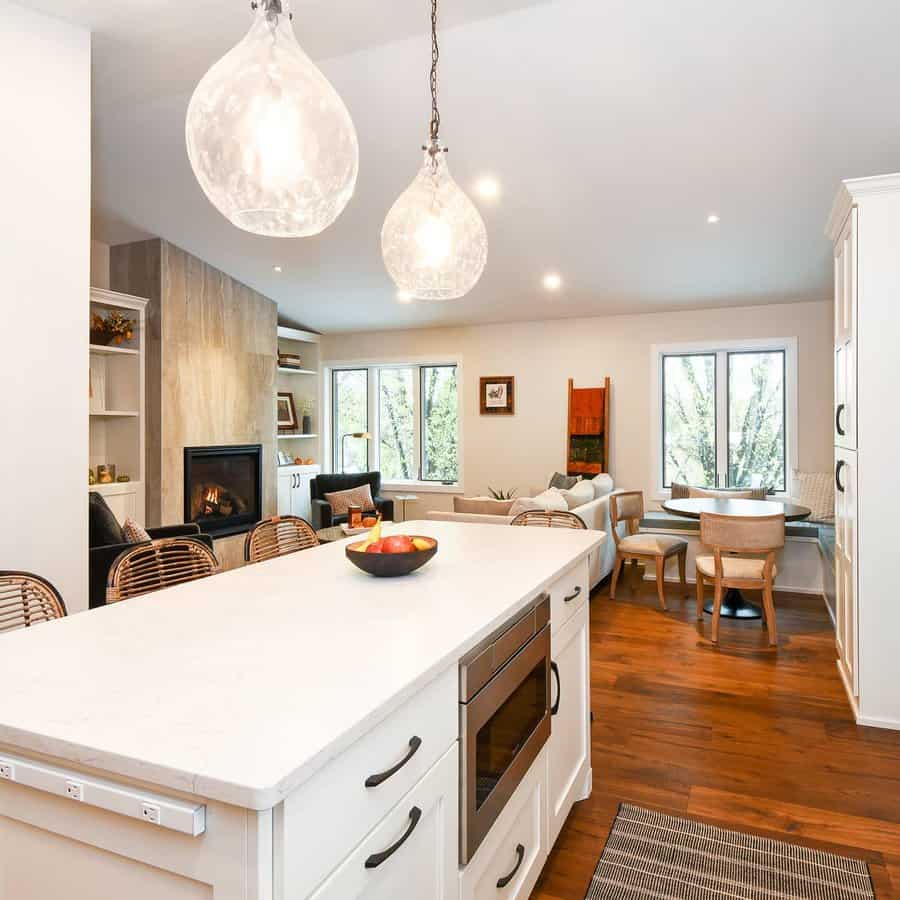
(652, 856)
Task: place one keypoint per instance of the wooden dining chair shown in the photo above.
(628, 507)
(549, 518)
(27, 600)
(159, 564)
(278, 536)
(724, 535)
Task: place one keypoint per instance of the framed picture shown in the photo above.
(287, 413)
(497, 395)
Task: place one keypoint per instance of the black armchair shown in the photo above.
(106, 543)
(322, 515)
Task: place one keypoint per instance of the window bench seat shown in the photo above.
(804, 565)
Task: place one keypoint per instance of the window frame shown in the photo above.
(722, 350)
(373, 368)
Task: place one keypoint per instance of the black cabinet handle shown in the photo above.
(837, 475)
(376, 859)
(837, 420)
(573, 595)
(506, 879)
(554, 668)
(375, 780)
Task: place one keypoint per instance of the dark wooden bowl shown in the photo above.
(390, 565)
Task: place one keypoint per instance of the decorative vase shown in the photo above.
(306, 424)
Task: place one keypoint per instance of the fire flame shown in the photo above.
(212, 495)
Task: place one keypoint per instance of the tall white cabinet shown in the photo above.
(865, 229)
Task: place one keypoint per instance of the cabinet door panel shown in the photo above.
(570, 748)
(284, 493)
(845, 541)
(424, 865)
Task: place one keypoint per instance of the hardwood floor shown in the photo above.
(744, 736)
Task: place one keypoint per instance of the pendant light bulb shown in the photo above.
(433, 240)
(269, 139)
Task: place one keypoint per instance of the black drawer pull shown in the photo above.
(506, 879)
(554, 668)
(376, 859)
(375, 780)
(837, 420)
(573, 595)
(837, 475)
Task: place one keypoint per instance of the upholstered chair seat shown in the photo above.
(733, 567)
(652, 544)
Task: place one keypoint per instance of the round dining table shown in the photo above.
(734, 604)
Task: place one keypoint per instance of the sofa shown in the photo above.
(106, 542)
(594, 513)
(321, 512)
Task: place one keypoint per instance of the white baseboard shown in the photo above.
(812, 592)
(892, 724)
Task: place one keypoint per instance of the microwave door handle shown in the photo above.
(554, 668)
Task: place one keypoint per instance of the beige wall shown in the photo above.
(520, 451)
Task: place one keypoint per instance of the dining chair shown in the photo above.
(159, 564)
(628, 507)
(549, 518)
(27, 600)
(278, 536)
(724, 535)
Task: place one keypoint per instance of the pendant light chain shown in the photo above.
(435, 56)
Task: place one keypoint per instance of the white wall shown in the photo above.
(520, 451)
(45, 183)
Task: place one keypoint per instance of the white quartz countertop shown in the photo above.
(239, 687)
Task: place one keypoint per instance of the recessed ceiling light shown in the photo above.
(404, 296)
(552, 281)
(712, 218)
(276, 268)
(487, 187)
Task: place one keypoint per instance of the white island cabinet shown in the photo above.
(287, 730)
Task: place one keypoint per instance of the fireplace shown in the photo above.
(223, 488)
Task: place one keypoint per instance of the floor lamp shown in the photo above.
(353, 434)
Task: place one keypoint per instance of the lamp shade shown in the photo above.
(269, 139)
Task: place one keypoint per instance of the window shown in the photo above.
(412, 413)
(724, 415)
(351, 415)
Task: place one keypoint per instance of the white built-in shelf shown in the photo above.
(110, 350)
(288, 371)
(115, 414)
(289, 437)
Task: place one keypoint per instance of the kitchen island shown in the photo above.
(215, 740)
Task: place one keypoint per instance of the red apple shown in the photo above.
(377, 547)
(397, 543)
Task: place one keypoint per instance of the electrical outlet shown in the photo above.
(7, 771)
(75, 790)
(150, 813)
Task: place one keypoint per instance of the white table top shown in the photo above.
(239, 687)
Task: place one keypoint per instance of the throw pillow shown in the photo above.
(103, 527)
(134, 533)
(552, 498)
(603, 485)
(815, 490)
(680, 491)
(579, 494)
(484, 506)
(341, 501)
(721, 495)
(563, 482)
(522, 504)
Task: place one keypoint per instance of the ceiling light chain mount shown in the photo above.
(272, 7)
(433, 240)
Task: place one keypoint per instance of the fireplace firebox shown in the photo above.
(223, 488)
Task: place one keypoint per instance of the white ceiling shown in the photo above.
(614, 127)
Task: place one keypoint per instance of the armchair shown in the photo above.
(106, 543)
(322, 514)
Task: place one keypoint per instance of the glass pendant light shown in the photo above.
(433, 240)
(269, 139)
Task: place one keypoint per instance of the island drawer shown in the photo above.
(413, 852)
(568, 594)
(335, 809)
(510, 859)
